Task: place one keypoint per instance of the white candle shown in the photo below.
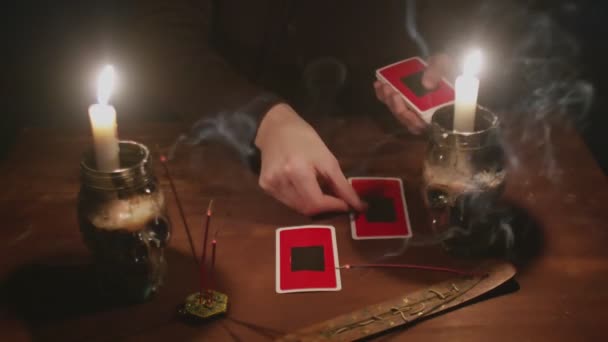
(467, 88)
(103, 124)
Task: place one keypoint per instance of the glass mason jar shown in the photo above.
(124, 222)
(463, 177)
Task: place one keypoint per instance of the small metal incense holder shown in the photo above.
(205, 306)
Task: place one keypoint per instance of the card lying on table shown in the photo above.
(307, 259)
(386, 216)
(405, 77)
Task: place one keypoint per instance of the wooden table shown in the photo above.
(563, 279)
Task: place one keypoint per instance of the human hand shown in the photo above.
(297, 165)
(439, 66)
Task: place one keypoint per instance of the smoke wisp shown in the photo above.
(535, 77)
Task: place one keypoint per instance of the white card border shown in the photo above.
(353, 231)
(277, 258)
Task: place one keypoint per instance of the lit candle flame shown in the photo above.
(472, 63)
(103, 124)
(467, 89)
(105, 84)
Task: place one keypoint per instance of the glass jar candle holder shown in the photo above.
(463, 178)
(124, 223)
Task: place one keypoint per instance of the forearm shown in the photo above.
(277, 116)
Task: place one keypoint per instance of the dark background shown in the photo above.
(52, 50)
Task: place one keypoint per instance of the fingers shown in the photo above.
(297, 187)
(399, 108)
(312, 199)
(387, 93)
(411, 121)
(378, 90)
(443, 63)
(341, 188)
(431, 78)
(324, 203)
(396, 103)
(439, 65)
(409, 118)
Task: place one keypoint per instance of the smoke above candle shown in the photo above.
(533, 82)
(534, 79)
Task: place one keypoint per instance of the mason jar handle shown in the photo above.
(438, 204)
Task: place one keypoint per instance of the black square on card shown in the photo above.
(311, 258)
(380, 209)
(414, 83)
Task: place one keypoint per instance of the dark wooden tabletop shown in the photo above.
(562, 264)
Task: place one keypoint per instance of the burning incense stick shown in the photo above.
(211, 272)
(204, 254)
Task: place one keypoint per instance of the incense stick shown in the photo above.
(212, 270)
(163, 161)
(204, 254)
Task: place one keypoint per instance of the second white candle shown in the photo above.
(103, 124)
(467, 89)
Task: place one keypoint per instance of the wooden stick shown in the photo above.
(211, 272)
(411, 266)
(163, 161)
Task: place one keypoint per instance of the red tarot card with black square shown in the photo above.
(386, 216)
(307, 259)
(405, 77)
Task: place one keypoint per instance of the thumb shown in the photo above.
(431, 78)
(342, 189)
(329, 203)
(439, 66)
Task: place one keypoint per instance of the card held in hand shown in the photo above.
(386, 216)
(405, 77)
(307, 259)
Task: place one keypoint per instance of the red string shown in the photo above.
(411, 266)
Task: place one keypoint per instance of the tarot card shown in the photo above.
(406, 78)
(386, 216)
(307, 259)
